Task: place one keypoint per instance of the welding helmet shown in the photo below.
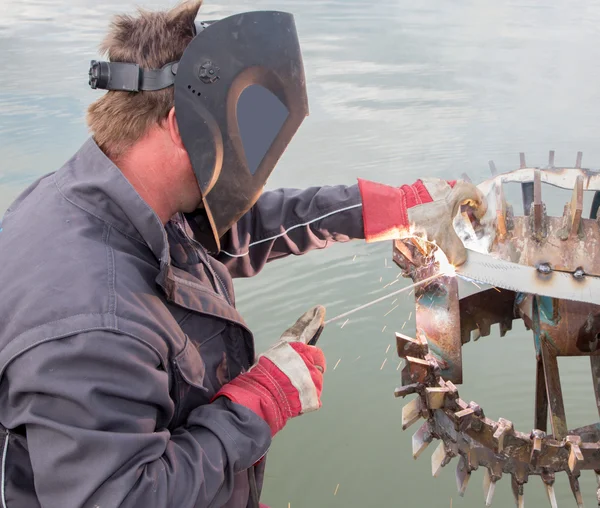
(240, 96)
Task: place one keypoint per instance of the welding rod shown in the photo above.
(416, 284)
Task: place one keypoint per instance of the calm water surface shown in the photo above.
(398, 89)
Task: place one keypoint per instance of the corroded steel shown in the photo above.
(445, 322)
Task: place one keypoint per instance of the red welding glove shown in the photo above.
(287, 379)
(427, 209)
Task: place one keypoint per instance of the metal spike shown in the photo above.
(505, 326)
(505, 427)
(537, 203)
(407, 346)
(517, 489)
(489, 487)
(415, 371)
(421, 440)
(576, 206)
(548, 479)
(403, 391)
(493, 168)
(551, 496)
(576, 490)
(463, 475)
(551, 159)
(575, 455)
(522, 160)
(578, 160)
(466, 178)
(436, 397)
(439, 459)
(411, 413)
(500, 210)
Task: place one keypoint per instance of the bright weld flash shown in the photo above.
(445, 266)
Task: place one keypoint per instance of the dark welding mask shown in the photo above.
(240, 96)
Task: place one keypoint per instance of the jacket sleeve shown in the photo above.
(96, 428)
(291, 221)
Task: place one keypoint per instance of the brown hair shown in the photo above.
(151, 39)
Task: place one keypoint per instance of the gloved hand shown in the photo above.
(426, 208)
(287, 379)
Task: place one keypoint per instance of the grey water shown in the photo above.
(397, 90)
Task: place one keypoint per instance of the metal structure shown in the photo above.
(444, 322)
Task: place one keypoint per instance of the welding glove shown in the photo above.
(287, 379)
(426, 209)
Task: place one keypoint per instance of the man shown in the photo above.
(128, 378)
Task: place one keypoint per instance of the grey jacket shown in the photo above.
(116, 332)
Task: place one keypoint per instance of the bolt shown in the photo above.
(544, 268)
(579, 273)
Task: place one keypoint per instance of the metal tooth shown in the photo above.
(548, 479)
(403, 391)
(411, 413)
(517, 489)
(493, 168)
(421, 440)
(551, 159)
(505, 326)
(463, 475)
(407, 346)
(576, 490)
(576, 206)
(436, 397)
(501, 222)
(536, 449)
(466, 178)
(522, 160)
(575, 455)
(415, 370)
(505, 427)
(476, 334)
(439, 459)
(578, 160)
(538, 206)
(489, 487)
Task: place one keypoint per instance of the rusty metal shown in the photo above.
(446, 322)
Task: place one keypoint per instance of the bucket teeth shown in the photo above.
(489, 487)
(551, 159)
(538, 208)
(466, 178)
(407, 346)
(439, 459)
(493, 169)
(504, 428)
(403, 391)
(505, 326)
(517, 489)
(537, 437)
(578, 160)
(421, 440)
(574, 482)
(411, 413)
(548, 480)
(575, 455)
(522, 160)
(436, 397)
(463, 476)
(416, 370)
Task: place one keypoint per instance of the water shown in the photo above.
(397, 90)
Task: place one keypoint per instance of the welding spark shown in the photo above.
(383, 364)
(474, 284)
(393, 308)
(409, 316)
(344, 324)
(338, 362)
(420, 283)
(399, 365)
(388, 348)
(383, 330)
(403, 325)
(336, 489)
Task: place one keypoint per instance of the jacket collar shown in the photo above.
(91, 181)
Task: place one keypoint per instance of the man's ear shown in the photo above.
(174, 129)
